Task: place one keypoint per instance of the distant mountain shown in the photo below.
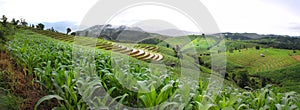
(61, 26)
(240, 36)
(117, 33)
(175, 32)
(93, 31)
(251, 36)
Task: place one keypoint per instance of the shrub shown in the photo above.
(257, 47)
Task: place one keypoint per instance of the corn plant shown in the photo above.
(83, 78)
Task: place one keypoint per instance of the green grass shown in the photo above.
(232, 44)
(288, 78)
(252, 60)
(8, 101)
(77, 77)
(199, 44)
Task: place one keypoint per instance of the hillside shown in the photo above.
(118, 33)
(240, 36)
(73, 72)
(286, 78)
(253, 60)
(176, 32)
(248, 57)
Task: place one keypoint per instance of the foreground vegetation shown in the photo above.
(52, 63)
(286, 78)
(73, 76)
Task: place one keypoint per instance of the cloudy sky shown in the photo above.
(259, 16)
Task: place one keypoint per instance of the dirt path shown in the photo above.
(297, 57)
(21, 85)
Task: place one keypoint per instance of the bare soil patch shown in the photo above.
(297, 57)
(21, 85)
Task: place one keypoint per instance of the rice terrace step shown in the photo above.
(139, 52)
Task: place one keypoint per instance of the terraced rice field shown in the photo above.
(148, 47)
(254, 62)
(79, 84)
(146, 53)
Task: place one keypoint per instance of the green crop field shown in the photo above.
(80, 73)
(199, 44)
(287, 78)
(273, 59)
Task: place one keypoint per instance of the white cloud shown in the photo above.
(251, 16)
(231, 15)
(47, 10)
(142, 13)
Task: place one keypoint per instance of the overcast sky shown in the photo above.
(259, 16)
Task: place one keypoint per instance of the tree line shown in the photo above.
(22, 23)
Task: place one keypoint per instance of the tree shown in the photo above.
(231, 50)
(257, 47)
(23, 22)
(14, 21)
(52, 29)
(68, 30)
(203, 35)
(40, 26)
(4, 19)
(200, 61)
(73, 33)
(242, 79)
(2, 36)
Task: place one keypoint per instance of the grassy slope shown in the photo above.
(199, 44)
(251, 59)
(276, 61)
(219, 102)
(168, 53)
(288, 77)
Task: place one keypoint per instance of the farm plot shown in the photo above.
(262, 60)
(76, 83)
(146, 53)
